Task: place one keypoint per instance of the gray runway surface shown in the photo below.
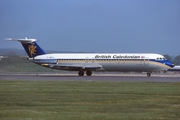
(98, 77)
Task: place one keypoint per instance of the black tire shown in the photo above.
(88, 73)
(81, 73)
(148, 74)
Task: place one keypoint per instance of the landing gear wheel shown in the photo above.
(148, 74)
(88, 73)
(81, 73)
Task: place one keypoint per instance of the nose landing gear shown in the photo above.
(148, 74)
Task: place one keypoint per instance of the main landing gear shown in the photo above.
(81, 73)
(149, 74)
(89, 73)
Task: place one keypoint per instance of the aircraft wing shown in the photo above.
(75, 66)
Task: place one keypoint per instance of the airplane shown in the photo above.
(1, 57)
(175, 68)
(88, 62)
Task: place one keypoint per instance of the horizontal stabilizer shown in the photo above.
(26, 40)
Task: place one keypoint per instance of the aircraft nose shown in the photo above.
(170, 64)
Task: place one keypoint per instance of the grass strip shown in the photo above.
(88, 100)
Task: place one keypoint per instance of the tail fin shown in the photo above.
(31, 47)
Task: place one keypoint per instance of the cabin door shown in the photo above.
(146, 61)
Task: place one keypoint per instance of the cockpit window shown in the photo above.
(161, 58)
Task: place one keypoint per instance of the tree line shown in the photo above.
(176, 60)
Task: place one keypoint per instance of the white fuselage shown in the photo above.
(104, 62)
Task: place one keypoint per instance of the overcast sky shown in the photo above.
(130, 26)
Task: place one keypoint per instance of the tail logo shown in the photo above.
(32, 49)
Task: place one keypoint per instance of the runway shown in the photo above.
(95, 77)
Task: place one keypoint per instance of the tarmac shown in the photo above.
(95, 77)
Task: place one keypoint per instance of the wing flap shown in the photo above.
(76, 66)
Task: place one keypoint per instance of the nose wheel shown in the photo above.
(148, 74)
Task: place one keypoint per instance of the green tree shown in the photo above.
(177, 60)
(168, 57)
